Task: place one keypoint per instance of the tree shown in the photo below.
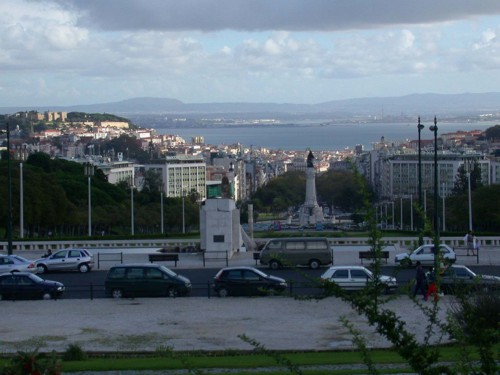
(462, 181)
(493, 133)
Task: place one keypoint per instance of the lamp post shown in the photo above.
(161, 211)
(401, 214)
(444, 208)
(434, 129)
(132, 206)
(9, 194)
(392, 215)
(419, 128)
(469, 168)
(411, 212)
(89, 172)
(183, 215)
(21, 201)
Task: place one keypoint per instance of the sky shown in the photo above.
(73, 52)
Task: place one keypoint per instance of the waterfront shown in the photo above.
(315, 136)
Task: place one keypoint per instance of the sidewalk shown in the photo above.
(343, 255)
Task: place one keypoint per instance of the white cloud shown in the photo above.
(68, 48)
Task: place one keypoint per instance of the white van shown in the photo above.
(280, 252)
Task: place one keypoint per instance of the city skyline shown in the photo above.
(84, 52)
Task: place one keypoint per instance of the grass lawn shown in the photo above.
(169, 360)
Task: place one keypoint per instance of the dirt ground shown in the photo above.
(193, 323)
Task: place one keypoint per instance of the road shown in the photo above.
(301, 281)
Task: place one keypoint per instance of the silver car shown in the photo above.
(356, 278)
(458, 278)
(425, 255)
(66, 260)
(16, 263)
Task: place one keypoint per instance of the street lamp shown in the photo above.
(419, 128)
(88, 169)
(21, 201)
(469, 169)
(444, 208)
(183, 215)
(132, 206)
(161, 208)
(9, 194)
(434, 129)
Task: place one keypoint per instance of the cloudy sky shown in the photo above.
(65, 52)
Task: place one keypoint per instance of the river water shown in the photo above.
(316, 136)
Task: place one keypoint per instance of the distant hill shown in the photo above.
(415, 104)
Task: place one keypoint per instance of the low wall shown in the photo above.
(398, 242)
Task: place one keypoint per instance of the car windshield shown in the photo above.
(368, 272)
(21, 259)
(35, 278)
(168, 271)
(259, 272)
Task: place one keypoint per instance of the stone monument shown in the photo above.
(310, 212)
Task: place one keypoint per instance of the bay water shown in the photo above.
(316, 136)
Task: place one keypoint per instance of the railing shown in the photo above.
(398, 242)
(109, 257)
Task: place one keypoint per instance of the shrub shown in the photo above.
(74, 352)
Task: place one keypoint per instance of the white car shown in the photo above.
(16, 263)
(356, 277)
(425, 255)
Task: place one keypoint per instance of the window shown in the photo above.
(234, 275)
(8, 280)
(59, 255)
(135, 273)
(218, 238)
(74, 254)
(252, 276)
(341, 274)
(24, 281)
(153, 273)
(358, 274)
(316, 245)
(117, 273)
(274, 245)
(295, 245)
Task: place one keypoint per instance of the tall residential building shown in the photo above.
(398, 174)
(181, 175)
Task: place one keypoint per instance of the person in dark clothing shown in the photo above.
(420, 281)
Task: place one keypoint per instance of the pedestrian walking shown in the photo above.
(431, 285)
(419, 281)
(469, 242)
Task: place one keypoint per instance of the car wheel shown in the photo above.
(172, 292)
(274, 264)
(41, 268)
(46, 296)
(117, 293)
(406, 262)
(223, 292)
(314, 264)
(271, 291)
(83, 268)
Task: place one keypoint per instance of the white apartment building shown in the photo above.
(180, 175)
(398, 174)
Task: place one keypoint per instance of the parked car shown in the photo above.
(145, 280)
(66, 260)
(17, 263)
(312, 252)
(246, 281)
(425, 255)
(456, 277)
(356, 278)
(26, 285)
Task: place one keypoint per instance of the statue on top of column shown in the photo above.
(310, 158)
